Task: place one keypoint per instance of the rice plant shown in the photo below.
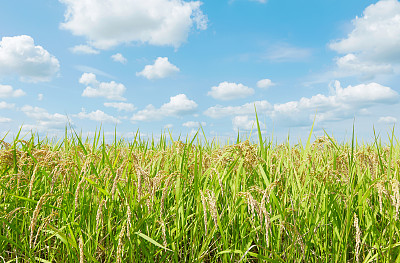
(81, 200)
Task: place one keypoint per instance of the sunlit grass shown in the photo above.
(81, 200)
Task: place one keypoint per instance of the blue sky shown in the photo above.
(170, 64)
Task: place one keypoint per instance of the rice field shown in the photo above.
(191, 200)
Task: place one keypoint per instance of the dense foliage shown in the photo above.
(78, 200)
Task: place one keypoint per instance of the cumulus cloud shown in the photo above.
(44, 119)
(84, 49)
(7, 91)
(120, 106)
(230, 91)
(5, 105)
(265, 84)
(147, 114)
(342, 103)
(19, 56)
(374, 42)
(119, 58)
(108, 23)
(219, 111)
(244, 122)
(5, 120)
(388, 119)
(110, 90)
(97, 115)
(161, 68)
(178, 105)
(193, 124)
(350, 64)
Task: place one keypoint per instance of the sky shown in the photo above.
(172, 66)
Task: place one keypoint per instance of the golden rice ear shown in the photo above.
(35, 217)
(120, 243)
(81, 253)
(212, 204)
(395, 197)
(357, 238)
(204, 203)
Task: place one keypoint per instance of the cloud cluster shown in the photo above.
(350, 65)
(230, 91)
(246, 123)
(109, 90)
(44, 120)
(107, 23)
(5, 105)
(387, 119)
(193, 124)
(219, 111)
(19, 56)
(7, 91)
(119, 58)
(374, 44)
(265, 84)
(161, 68)
(84, 49)
(97, 115)
(177, 106)
(120, 106)
(5, 120)
(342, 103)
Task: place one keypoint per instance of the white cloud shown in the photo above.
(107, 23)
(219, 111)
(283, 52)
(119, 58)
(120, 106)
(230, 91)
(84, 49)
(177, 106)
(161, 68)
(341, 104)
(40, 113)
(376, 34)
(97, 115)
(388, 119)
(147, 114)
(96, 71)
(6, 91)
(110, 90)
(265, 83)
(193, 124)
(350, 65)
(40, 97)
(374, 43)
(243, 122)
(168, 126)
(20, 56)
(5, 105)
(44, 120)
(365, 94)
(5, 120)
